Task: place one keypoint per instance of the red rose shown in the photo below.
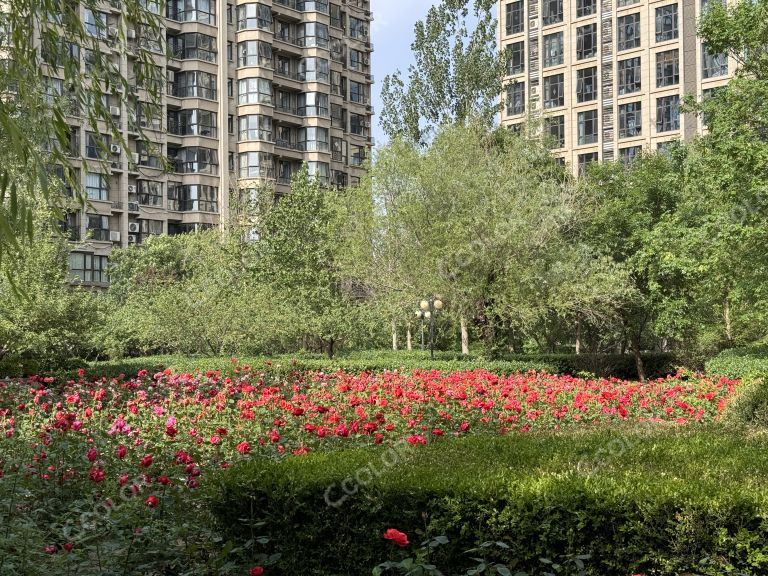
(146, 462)
(152, 501)
(96, 474)
(93, 454)
(256, 571)
(244, 448)
(398, 538)
(120, 451)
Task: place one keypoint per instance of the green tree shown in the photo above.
(302, 256)
(51, 322)
(458, 74)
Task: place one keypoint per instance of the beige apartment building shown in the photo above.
(606, 76)
(253, 91)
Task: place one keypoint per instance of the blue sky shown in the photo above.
(392, 34)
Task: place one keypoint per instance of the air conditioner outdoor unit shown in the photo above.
(115, 149)
(112, 31)
(133, 206)
(114, 110)
(131, 239)
(156, 123)
(131, 189)
(114, 236)
(131, 34)
(133, 227)
(135, 158)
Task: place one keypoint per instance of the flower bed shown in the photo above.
(146, 443)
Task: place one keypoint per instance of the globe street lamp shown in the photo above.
(428, 309)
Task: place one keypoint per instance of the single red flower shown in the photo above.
(146, 462)
(96, 474)
(398, 538)
(244, 448)
(93, 454)
(152, 501)
(120, 451)
(256, 571)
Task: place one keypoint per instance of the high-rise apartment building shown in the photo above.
(606, 76)
(253, 91)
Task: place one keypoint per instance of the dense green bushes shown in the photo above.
(662, 502)
(618, 365)
(740, 362)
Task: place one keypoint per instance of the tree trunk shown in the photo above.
(727, 318)
(464, 336)
(394, 335)
(329, 348)
(578, 336)
(638, 358)
(408, 341)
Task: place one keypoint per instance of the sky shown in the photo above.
(392, 34)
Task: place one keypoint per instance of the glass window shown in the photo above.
(556, 130)
(313, 34)
(587, 126)
(150, 193)
(95, 23)
(357, 28)
(192, 123)
(194, 84)
(193, 46)
(358, 124)
(553, 49)
(319, 170)
(203, 11)
(314, 69)
(586, 84)
(313, 139)
(585, 160)
(666, 23)
(554, 91)
(516, 98)
(250, 16)
(357, 92)
(254, 127)
(254, 53)
(629, 31)
(628, 155)
(97, 186)
(194, 160)
(667, 68)
(313, 104)
(97, 227)
(668, 113)
(256, 165)
(516, 58)
(254, 91)
(713, 65)
(357, 60)
(313, 6)
(630, 120)
(88, 267)
(586, 41)
(629, 75)
(97, 145)
(515, 17)
(585, 8)
(192, 197)
(551, 11)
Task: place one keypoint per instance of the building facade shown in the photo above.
(253, 90)
(606, 76)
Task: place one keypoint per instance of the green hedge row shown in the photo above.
(618, 365)
(664, 503)
(750, 362)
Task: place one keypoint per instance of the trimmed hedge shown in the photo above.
(750, 362)
(617, 365)
(664, 502)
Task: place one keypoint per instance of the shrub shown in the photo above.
(651, 503)
(740, 363)
(617, 365)
(749, 406)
